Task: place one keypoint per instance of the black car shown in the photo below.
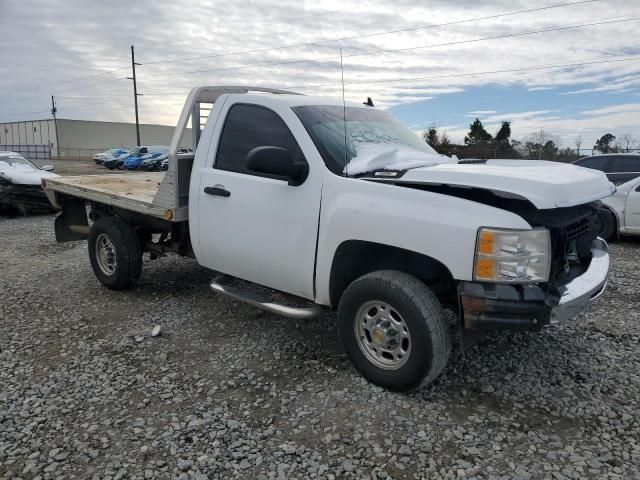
(619, 167)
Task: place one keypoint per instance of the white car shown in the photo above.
(100, 158)
(20, 184)
(621, 214)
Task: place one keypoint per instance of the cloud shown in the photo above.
(81, 49)
(591, 123)
(481, 112)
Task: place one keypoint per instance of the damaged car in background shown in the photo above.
(20, 184)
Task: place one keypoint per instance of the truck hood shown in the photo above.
(544, 184)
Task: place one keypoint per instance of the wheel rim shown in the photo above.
(106, 254)
(382, 335)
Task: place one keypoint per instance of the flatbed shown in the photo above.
(132, 191)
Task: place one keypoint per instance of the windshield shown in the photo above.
(16, 160)
(375, 140)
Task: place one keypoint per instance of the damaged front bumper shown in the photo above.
(528, 307)
(579, 292)
(24, 198)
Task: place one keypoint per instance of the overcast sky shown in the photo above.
(427, 74)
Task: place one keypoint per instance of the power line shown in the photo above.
(74, 79)
(496, 37)
(454, 75)
(65, 90)
(385, 51)
(355, 37)
(470, 74)
(387, 80)
(296, 45)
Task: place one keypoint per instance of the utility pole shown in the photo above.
(55, 124)
(135, 92)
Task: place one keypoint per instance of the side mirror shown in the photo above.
(277, 161)
(48, 168)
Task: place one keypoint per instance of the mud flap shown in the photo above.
(73, 213)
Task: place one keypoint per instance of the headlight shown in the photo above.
(512, 256)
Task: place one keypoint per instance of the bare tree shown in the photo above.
(540, 140)
(627, 142)
(578, 143)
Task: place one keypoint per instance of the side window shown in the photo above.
(597, 163)
(625, 164)
(143, 150)
(250, 126)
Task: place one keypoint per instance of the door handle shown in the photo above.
(222, 192)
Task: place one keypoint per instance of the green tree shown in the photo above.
(550, 150)
(431, 136)
(477, 134)
(604, 144)
(504, 134)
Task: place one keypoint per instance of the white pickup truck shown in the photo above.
(342, 208)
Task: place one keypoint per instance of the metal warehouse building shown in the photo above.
(78, 138)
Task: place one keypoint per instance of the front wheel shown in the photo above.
(394, 331)
(115, 253)
(608, 224)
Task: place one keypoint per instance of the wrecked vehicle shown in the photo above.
(342, 208)
(20, 184)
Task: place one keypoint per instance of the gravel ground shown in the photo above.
(229, 392)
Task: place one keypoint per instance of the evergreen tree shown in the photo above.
(504, 134)
(604, 144)
(477, 134)
(431, 136)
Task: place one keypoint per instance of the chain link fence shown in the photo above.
(33, 152)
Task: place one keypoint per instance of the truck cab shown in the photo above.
(341, 207)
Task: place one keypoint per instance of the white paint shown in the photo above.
(625, 203)
(20, 171)
(375, 156)
(545, 184)
(266, 230)
(440, 226)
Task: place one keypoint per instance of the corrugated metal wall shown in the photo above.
(82, 138)
(33, 132)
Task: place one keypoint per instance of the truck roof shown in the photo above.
(298, 100)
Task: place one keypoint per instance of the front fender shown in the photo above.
(432, 224)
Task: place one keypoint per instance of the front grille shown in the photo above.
(577, 230)
(573, 230)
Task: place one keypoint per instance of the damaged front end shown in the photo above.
(23, 198)
(578, 274)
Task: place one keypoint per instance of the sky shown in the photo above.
(569, 67)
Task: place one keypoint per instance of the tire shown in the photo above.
(418, 360)
(120, 264)
(608, 224)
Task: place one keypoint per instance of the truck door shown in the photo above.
(632, 210)
(254, 226)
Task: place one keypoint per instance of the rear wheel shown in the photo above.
(115, 253)
(608, 224)
(394, 331)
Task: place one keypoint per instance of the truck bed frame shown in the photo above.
(163, 195)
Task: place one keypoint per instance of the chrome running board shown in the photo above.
(298, 313)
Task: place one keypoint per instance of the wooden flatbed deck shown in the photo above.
(131, 191)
